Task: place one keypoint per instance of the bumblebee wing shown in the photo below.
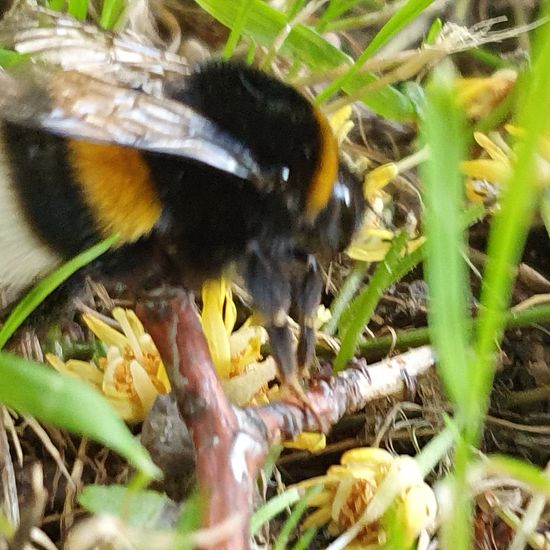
(60, 40)
(76, 105)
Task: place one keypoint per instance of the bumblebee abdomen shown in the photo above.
(60, 196)
(24, 256)
(49, 196)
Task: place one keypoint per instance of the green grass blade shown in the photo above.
(520, 470)
(345, 295)
(264, 24)
(292, 521)
(443, 130)
(47, 285)
(304, 542)
(57, 5)
(9, 58)
(362, 308)
(511, 223)
(78, 9)
(59, 400)
(111, 12)
(273, 507)
(237, 29)
(190, 518)
(335, 9)
(404, 339)
(402, 17)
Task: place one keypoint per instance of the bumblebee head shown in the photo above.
(286, 135)
(337, 222)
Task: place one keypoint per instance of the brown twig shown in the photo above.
(231, 442)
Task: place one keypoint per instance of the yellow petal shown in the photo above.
(487, 169)
(308, 441)
(378, 178)
(469, 88)
(162, 377)
(126, 409)
(230, 310)
(121, 316)
(343, 492)
(145, 389)
(371, 253)
(245, 346)
(105, 333)
(213, 324)
(418, 510)
(322, 317)
(317, 519)
(134, 322)
(84, 370)
(147, 345)
(320, 499)
(369, 455)
(109, 385)
(493, 150)
(241, 389)
(340, 123)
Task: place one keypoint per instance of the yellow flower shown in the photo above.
(366, 489)
(131, 375)
(341, 123)
(235, 354)
(373, 240)
(479, 96)
(488, 175)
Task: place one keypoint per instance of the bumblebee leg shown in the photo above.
(269, 285)
(307, 300)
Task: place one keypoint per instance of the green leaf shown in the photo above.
(263, 25)
(47, 285)
(137, 508)
(56, 399)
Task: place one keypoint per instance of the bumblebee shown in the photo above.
(194, 168)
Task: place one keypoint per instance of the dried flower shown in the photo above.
(368, 487)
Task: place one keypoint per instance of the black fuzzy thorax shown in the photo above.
(211, 218)
(273, 120)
